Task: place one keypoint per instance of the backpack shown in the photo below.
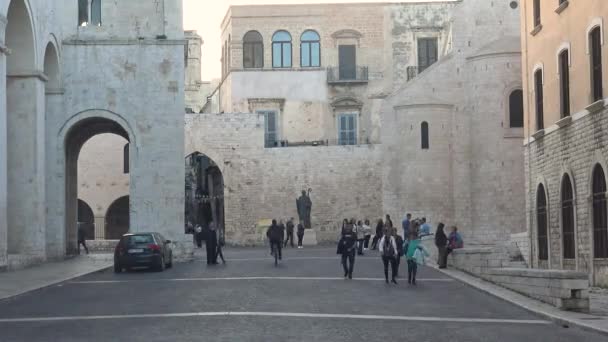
(389, 250)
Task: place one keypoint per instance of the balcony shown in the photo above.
(339, 75)
(356, 141)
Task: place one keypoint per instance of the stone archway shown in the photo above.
(75, 138)
(117, 219)
(86, 218)
(204, 193)
(24, 162)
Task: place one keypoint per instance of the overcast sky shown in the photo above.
(205, 16)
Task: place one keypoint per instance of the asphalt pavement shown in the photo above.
(305, 298)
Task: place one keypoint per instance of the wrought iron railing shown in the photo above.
(325, 142)
(348, 75)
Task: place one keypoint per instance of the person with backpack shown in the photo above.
(388, 251)
(346, 247)
(400, 252)
(289, 230)
(301, 230)
(415, 254)
(275, 235)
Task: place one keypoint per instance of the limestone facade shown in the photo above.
(68, 80)
(565, 152)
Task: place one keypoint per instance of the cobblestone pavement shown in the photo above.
(249, 299)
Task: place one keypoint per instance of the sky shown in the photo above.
(205, 16)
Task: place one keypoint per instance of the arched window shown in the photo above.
(564, 82)
(538, 89)
(541, 224)
(253, 50)
(310, 49)
(568, 218)
(281, 50)
(600, 221)
(516, 109)
(595, 47)
(424, 133)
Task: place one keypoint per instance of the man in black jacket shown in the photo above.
(276, 234)
(347, 247)
(289, 230)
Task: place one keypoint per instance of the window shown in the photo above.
(424, 133)
(125, 159)
(595, 43)
(538, 88)
(568, 218)
(536, 13)
(253, 50)
(89, 17)
(600, 220)
(516, 109)
(270, 128)
(427, 53)
(281, 50)
(310, 49)
(347, 129)
(564, 82)
(347, 55)
(541, 223)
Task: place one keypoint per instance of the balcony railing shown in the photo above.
(327, 142)
(347, 75)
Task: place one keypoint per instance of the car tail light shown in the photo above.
(154, 247)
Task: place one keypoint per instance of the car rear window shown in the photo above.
(140, 239)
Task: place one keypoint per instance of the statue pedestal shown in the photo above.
(310, 237)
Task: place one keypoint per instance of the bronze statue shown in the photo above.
(304, 205)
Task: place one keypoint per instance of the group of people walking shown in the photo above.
(280, 235)
(213, 242)
(392, 246)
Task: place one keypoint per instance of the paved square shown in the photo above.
(249, 299)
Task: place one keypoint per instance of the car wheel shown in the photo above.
(161, 265)
(117, 267)
(170, 264)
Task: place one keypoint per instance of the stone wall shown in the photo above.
(574, 149)
(263, 183)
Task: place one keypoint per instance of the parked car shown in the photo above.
(143, 250)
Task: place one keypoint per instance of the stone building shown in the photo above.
(431, 133)
(73, 70)
(565, 63)
(196, 89)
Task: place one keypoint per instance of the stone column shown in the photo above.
(100, 228)
(3, 161)
(25, 152)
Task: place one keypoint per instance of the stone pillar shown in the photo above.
(25, 155)
(3, 161)
(54, 106)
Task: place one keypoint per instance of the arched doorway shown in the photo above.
(117, 219)
(86, 219)
(76, 137)
(25, 209)
(204, 193)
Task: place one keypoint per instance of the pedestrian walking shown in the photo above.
(400, 251)
(415, 254)
(367, 232)
(220, 244)
(300, 232)
(441, 241)
(388, 222)
(211, 243)
(405, 224)
(360, 237)
(378, 236)
(289, 230)
(276, 236)
(82, 238)
(388, 251)
(425, 228)
(198, 233)
(346, 247)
